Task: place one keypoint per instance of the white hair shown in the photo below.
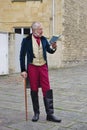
(35, 25)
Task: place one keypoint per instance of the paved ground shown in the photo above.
(70, 101)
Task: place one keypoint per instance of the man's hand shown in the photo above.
(24, 74)
(54, 45)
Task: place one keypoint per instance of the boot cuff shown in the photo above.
(49, 94)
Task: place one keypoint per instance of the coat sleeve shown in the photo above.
(22, 55)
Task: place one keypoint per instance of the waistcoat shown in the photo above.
(38, 53)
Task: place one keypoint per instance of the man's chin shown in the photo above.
(40, 35)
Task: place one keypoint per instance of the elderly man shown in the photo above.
(35, 47)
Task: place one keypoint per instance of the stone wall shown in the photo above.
(55, 60)
(75, 32)
(22, 14)
(70, 19)
(11, 53)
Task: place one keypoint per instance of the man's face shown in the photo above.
(39, 31)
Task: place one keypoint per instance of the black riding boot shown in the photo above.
(35, 103)
(48, 101)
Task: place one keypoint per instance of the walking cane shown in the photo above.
(25, 94)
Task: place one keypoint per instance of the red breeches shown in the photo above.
(38, 77)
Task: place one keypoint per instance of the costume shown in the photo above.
(37, 70)
(27, 49)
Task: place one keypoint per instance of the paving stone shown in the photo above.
(70, 101)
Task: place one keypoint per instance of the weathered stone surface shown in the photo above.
(70, 101)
